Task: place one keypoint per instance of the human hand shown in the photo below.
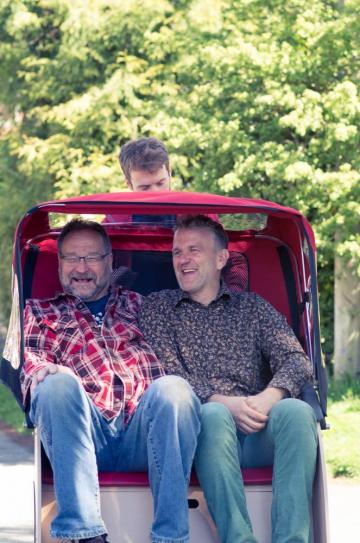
(265, 400)
(49, 369)
(247, 417)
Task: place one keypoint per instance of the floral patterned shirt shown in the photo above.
(237, 345)
(112, 361)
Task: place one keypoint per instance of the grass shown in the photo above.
(10, 411)
(341, 442)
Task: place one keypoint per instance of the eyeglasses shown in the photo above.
(89, 259)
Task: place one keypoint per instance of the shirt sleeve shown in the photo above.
(155, 324)
(290, 366)
(38, 347)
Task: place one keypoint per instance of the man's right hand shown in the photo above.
(247, 419)
(49, 369)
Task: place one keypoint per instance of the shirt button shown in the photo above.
(80, 306)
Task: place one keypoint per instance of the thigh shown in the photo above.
(64, 412)
(106, 436)
(291, 423)
(167, 407)
(131, 445)
(257, 449)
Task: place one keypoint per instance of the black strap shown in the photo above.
(290, 287)
(29, 268)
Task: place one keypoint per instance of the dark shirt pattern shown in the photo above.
(238, 345)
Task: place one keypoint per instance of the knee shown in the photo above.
(215, 416)
(57, 389)
(296, 414)
(217, 423)
(174, 391)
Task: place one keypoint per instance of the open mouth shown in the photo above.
(187, 274)
(81, 280)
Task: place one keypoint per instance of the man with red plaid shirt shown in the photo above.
(99, 396)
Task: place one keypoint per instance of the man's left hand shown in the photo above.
(265, 400)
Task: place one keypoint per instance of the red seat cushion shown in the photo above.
(251, 476)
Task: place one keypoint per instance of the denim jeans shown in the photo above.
(161, 438)
(289, 442)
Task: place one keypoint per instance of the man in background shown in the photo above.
(146, 167)
(145, 163)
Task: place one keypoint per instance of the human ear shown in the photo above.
(222, 258)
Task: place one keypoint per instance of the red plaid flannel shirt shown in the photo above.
(113, 362)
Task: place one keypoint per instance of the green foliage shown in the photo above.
(252, 98)
(23, 183)
(343, 390)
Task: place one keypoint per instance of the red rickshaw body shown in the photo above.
(274, 247)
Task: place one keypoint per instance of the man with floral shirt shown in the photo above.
(99, 396)
(247, 367)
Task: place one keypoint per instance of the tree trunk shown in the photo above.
(347, 320)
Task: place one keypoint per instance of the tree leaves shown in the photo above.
(252, 98)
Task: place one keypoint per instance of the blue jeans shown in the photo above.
(288, 442)
(161, 438)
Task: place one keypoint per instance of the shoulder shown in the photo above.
(161, 302)
(46, 310)
(157, 310)
(250, 301)
(246, 299)
(45, 304)
(128, 299)
(167, 296)
(129, 295)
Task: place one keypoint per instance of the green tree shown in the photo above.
(255, 98)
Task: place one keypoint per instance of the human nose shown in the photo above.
(81, 263)
(183, 258)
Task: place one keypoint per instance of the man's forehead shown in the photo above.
(192, 234)
(83, 236)
(147, 174)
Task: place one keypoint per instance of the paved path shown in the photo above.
(16, 496)
(344, 511)
(16, 488)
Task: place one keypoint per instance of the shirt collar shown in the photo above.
(224, 293)
(113, 291)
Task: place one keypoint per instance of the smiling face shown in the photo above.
(144, 181)
(89, 282)
(198, 262)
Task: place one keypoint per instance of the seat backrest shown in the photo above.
(40, 270)
(143, 262)
(273, 275)
(144, 271)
